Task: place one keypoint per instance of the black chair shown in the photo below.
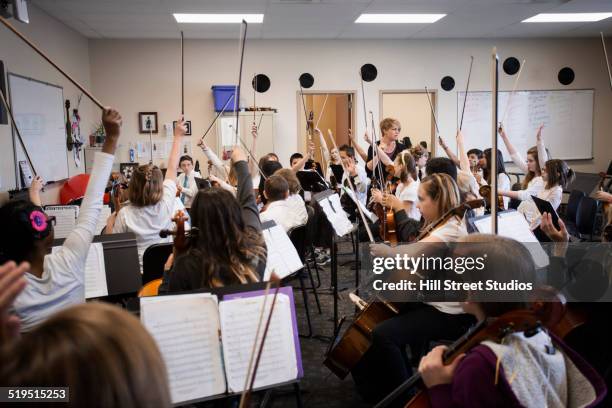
(311, 256)
(153, 261)
(297, 236)
(585, 217)
(571, 211)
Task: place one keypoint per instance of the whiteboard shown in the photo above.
(567, 116)
(38, 108)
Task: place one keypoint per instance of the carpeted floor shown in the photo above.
(320, 387)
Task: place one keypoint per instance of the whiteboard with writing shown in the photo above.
(38, 108)
(567, 116)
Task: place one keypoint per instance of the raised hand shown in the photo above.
(180, 129)
(539, 133)
(112, 121)
(238, 154)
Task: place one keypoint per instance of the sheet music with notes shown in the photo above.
(336, 215)
(282, 258)
(104, 214)
(239, 320)
(65, 218)
(186, 330)
(512, 224)
(95, 271)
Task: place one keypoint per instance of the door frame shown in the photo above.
(301, 138)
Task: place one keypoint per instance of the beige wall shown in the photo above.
(143, 75)
(67, 48)
(413, 112)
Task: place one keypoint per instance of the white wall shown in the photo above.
(144, 75)
(68, 49)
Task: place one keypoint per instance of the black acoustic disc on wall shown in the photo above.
(306, 80)
(511, 65)
(447, 83)
(566, 76)
(368, 72)
(261, 83)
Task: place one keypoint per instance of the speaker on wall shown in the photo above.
(3, 113)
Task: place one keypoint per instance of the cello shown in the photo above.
(344, 355)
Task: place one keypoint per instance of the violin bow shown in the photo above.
(254, 349)
(243, 32)
(217, 117)
(433, 113)
(513, 91)
(244, 399)
(603, 44)
(182, 77)
(50, 61)
(467, 88)
(493, 164)
(14, 124)
(352, 188)
(322, 111)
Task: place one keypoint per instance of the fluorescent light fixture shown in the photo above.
(217, 18)
(567, 17)
(399, 18)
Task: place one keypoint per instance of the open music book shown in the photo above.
(95, 271)
(207, 344)
(65, 218)
(512, 224)
(282, 258)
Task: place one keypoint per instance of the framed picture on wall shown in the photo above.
(187, 124)
(147, 122)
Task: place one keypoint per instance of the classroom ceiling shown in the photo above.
(325, 19)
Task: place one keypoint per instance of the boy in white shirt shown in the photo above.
(276, 190)
(185, 183)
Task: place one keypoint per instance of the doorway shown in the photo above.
(412, 110)
(331, 111)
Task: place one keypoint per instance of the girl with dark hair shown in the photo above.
(56, 280)
(503, 181)
(228, 247)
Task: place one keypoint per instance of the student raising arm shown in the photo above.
(56, 280)
(152, 201)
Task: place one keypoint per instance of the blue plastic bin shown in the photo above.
(221, 93)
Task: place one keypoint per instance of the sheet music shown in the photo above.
(371, 216)
(336, 215)
(513, 225)
(95, 271)
(65, 218)
(239, 320)
(186, 330)
(283, 258)
(104, 214)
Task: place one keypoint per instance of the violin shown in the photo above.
(386, 215)
(485, 193)
(491, 329)
(180, 246)
(458, 211)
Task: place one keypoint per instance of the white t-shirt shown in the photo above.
(147, 222)
(297, 206)
(410, 193)
(280, 212)
(450, 231)
(62, 283)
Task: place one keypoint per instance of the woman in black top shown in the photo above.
(228, 247)
(388, 148)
